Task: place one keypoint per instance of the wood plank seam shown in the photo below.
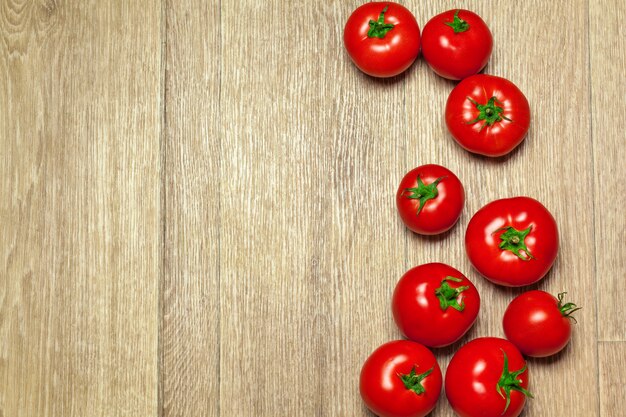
(593, 206)
(163, 220)
(219, 215)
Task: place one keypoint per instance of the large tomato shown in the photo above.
(401, 379)
(456, 44)
(487, 377)
(487, 115)
(538, 323)
(430, 199)
(383, 39)
(435, 304)
(513, 241)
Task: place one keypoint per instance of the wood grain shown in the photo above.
(310, 245)
(612, 357)
(79, 206)
(190, 329)
(608, 59)
(197, 202)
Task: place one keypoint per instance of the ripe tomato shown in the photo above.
(487, 377)
(401, 379)
(513, 241)
(430, 199)
(435, 304)
(487, 115)
(456, 44)
(383, 39)
(538, 323)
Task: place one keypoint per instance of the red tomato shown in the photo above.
(487, 377)
(456, 44)
(401, 379)
(513, 241)
(435, 304)
(538, 323)
(383, 39)
(487, 115)
(430, 199)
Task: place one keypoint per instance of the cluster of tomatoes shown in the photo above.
(511, 242)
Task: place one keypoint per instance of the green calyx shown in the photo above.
(413, 380)
(489, 113)
(509, 382)
(568, 308)
(423, 192)
(448, 295)
(459, 25)
(378, 28)
(514, 241)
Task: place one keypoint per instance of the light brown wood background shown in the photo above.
(197, 202)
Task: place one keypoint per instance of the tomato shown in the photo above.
(430, 199)
(538, 323)
(487, 377)
(513, 241)
(382, 39)
(487, 115)
(435, 304)
(456, 44)
(401, 379)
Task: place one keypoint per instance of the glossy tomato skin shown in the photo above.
(417, 309)
(486, 231)
(387, 56)
(456, 54)
(508, 109)
(473, 374)
(534, 323)
(382, 388)
(438, 214)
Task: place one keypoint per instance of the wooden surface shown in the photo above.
(608, 60)
(612, 354)
(80, 192)
(197, 203)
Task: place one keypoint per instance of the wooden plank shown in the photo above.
(311, 247)
(612, 356)
(79, 203)
(190, 335)
(607, 38)
(549, 64)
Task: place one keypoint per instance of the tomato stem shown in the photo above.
(490, 112)
(509, 382)
(413, 380)
(458, 25)
(448, 296)
(568, 308)
(514, 241)
(423, 192)
(378, 29)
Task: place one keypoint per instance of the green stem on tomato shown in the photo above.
(448, 296)
(489, 112)
(413, 380)
(509, 382)
(514, 240)
(458, 25)
(423, 192)
(378, 29)
(568, 308)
